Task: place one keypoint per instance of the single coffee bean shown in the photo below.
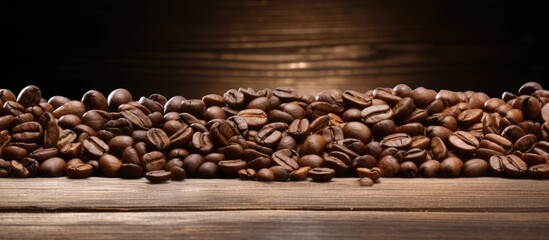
(299, 128)
(130, 171)
(374, 114)
(475, 167)
(247, 174)
(178, 173)
(525, 143)
(389, 165)
(321, 174)
(357, 130)
(470, 117)
(268, 137)
(364, 161)
(230, 168)
(202, 143)
(280, 173)
(529, 88)
(513, 166)
(408, 169)
(118, 97)
(109, 165)
(5, 168)
(356, 99)
(397, 140)
(95, 146)
(429, 168)
(234, 98)
(93, 99)
(313, 144)
(30, 95)
(18, 170)
(366, 182)
(158, 139)
(265, 175)
(311, 160)
(28, 132)
(540, 171)
(403, 108)
(513, 133)
(451, 167)
(300, 174)
(207, 170)
(338, 161)
(79, 171)
(158, 176)
(532, 159)
(286, 158)
(153, 161)
(463, 142)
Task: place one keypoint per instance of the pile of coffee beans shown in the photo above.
(277, 135)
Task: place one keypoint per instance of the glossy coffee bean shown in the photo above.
(540, 171)
(300, 174)
(109, 165)
(429, 168)
(158, 176)
(321, 174)
(451, 167)
(399, 141)
(463, 142)
(475, 168)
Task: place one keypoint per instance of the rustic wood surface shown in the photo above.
(60, 208)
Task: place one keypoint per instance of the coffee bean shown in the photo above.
(158, 176)
(27, 132)
(313, 144)
(397, 140)
(374, 114)
(109, 165)
(513, 166)
(118, 97)
(230, 168)
(366, 182)
(463, 142)
(357, 130)
(93, 99)
(389, 165)
(207, 170)
(311, 160)
(79, 171)
(525, 143)
(513, 133)
(470, 117)
(451, 167)
(247, 174)
(202, 143)
(475, 167)
(265, 175)
(354, 99)
(540, 171)
(321, 174)
(373, 173)
(286, 158)
(130, 171)
(429, 168)
(233, 98)
(5, 168)
(268, 137)
(178, 173)
(95, 146)
(30, 95)
(153, 161)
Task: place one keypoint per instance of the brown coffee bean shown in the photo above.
(321, 174)
(268, 137)
(153, 161)
(374, 114)
(230, 168)
(300, 174)
(158, 176)
(366, 182)
(373, 173)
(202, 143)
(356, 99)
(525, 143)
(286, 158)
(357, 130)
(130, 171)
(109, 165)
(408, 169)
(475, 167)
(403, 108)
(28, 132)
(79, 171)
(397, 140)
(389, 165)
(207, 170)
(540, 171)
(463, 142)
(338, 161)
(234, 99)
(30, 95)
(513, 133)
(313, 144)
(178, 173)
(451, 167)
(247, 174)
(158, 139)
(470, 117)
(93, 99)
(532, 159)
(299, 128)
(429, 168)
(254, 118)
(311, 160)
(545, 112)
(494, 123)
(513, 166)
(95, 146)
(265, 175)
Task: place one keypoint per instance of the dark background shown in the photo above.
(192, 48)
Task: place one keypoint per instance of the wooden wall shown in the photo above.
(195, 47)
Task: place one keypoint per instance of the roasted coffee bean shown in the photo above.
(451, 167)
(286, 158)
(299, 128)
(191, 164)
(300, 174)
(287, 142)
(438, 131)
(513, 133)
(30, 95)
(338, 161)
(254, 118)
(213, 100)
(350, 115)
(470, 117)
(268, 137)
(280, 173)
(234, 99)
(374, 114)
(157, 139)
(494, 123)
(389, 166)
(364, 161)
(366, 182)
(372, 173)
(118, 97)
(158, 176)
(545, 112)
(28, 132)
(130, 171)
(79, 171)
(18, 170)
(318, 109)
(540, 171)
(95, 146)
(438, 148)
(332, 134)
(311, 160)
(232, 151)
(207, 170)
(529, 106)
(178, 173)
(286, 94)
(403, 108)
(357, 130)
(42, 154)
(109, 165)
(496, 143)
(202, 143)
(321, 174)
(408, 169)
(5, 168)
(463, 142)
(513, 166)
(153, 161)
(230, 168)
(356, 99)
(429, 168)
(195, 107)
(265, 175)
(532, 159)
(247, 174)
(399, 141)
(313, 144)
(138, 119)
(415, 155)
(93, 99)
(525, 143)
(14, 153)
(475, 167)
(259, 163)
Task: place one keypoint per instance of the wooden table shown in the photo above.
(106, 208)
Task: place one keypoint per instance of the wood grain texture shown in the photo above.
(392, 194)
(272, 224)
(193, 48)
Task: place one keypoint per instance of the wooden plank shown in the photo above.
(394, 194)
(269, 224)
